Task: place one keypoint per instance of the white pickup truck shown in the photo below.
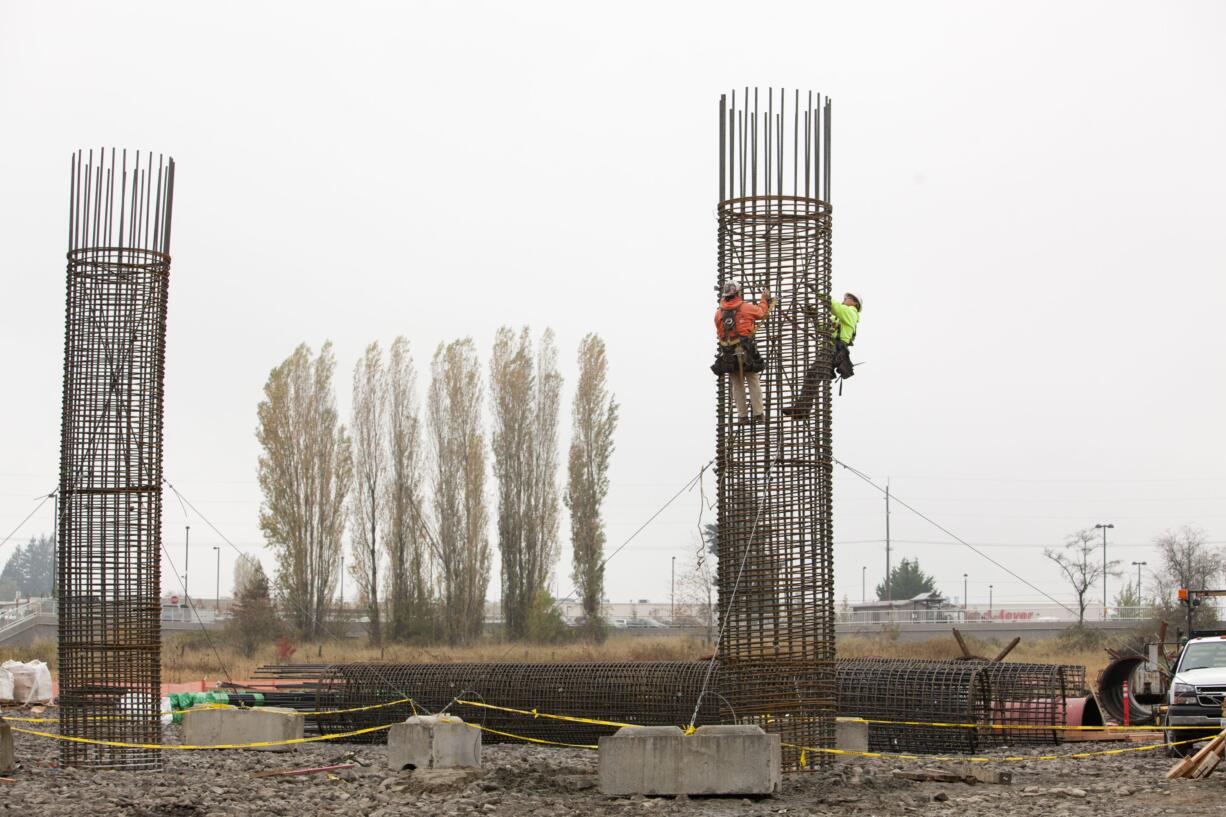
(1196, 693)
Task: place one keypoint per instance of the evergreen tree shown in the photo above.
(906, 581)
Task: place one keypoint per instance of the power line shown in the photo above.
(951, 534)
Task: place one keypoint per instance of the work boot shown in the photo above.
(796, 412)
(759, 419)
(744, 421)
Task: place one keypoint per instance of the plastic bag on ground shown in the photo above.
(31, 682)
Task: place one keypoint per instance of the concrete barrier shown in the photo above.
(222, 727)
(662, 760)
(433, 742)
(850, 735)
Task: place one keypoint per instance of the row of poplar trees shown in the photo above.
(411, 491)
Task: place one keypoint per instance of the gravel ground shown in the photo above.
(541, 782)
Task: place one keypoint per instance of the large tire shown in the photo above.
(1180, 750)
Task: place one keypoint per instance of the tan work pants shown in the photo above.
(737, 381)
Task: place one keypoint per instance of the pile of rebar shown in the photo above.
(774, 479)
(109, 500)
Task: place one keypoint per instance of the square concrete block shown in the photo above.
(663, 760)
(227, 727)
(433, 742)
(8, 761)
(850, 735)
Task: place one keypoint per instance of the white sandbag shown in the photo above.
(23, 680)
(6, 686)
(42, 683)
(31, 682)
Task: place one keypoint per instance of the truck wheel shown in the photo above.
(1180, 750)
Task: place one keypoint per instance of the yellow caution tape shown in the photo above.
(187, 746)
(537, 714)
(1002, 759)
(1037, 727)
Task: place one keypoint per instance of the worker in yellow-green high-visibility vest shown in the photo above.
(846, 321)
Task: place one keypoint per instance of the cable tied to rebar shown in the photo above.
(719, 639)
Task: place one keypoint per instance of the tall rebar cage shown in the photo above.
(110, 499)
(775, 537)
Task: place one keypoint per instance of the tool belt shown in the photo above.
(739, 355)
(841, 363)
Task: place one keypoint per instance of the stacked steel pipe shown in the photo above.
(774, 480)
(110, 492)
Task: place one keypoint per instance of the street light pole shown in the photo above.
(672, 591)
(342, 581)
(217, 592)
(1104, 527)
(1138, 566)
(989, 602)
(187, 535)
(863, 585)
(965, 598)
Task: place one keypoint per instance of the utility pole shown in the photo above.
(187, 535)
(55, 541)
(217, 592)
(889, 593)
(965, 598)
(1104, 530)
(342, 581)
(863, 592)
(989, 602)
(672, 592)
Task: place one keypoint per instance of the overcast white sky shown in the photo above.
(1028, 196)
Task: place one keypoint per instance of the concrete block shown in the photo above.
(433, 742)
(8, 760)
(267, 724)
(663, 760)
(850, 735)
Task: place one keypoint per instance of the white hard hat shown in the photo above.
(731, 288)
(856, 298)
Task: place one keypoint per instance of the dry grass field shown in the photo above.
(191, 657)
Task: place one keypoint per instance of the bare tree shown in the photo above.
(525, 391)
(594, 421)
(1076, 562)
(1188, 561)
(457, 448)
(403, 528)
(304, 473)
(370, 477)
(696, 593)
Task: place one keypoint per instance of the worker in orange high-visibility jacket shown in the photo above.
(738, 357)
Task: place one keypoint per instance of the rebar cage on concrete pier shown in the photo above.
(110, 500)
(775, 539)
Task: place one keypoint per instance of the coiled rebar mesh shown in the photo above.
(659, 693)
(775, 537)
(928, 691)
(1001, 699)
(110, 499)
